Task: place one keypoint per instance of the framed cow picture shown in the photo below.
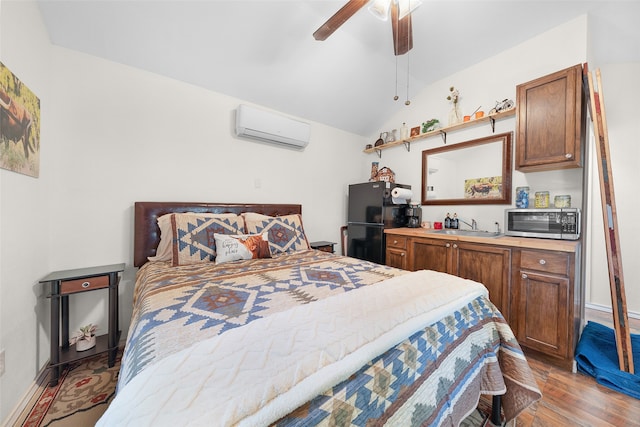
(19, 125)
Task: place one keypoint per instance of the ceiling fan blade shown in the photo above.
(402, 32)
(339, 18)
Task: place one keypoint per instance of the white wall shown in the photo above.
(620, 88)
(24, 213)
(113, 135)
(483, 84)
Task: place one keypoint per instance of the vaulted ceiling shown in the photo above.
(262, 51)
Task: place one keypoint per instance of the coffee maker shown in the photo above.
(414, 216)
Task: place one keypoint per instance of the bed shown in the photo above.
(237, 321)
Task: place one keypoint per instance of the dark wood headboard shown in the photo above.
(147, 232)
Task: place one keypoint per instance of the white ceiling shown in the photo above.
(262, 51)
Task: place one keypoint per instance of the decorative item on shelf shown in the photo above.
(404, 131)
(85, 338)
(374, 171)
(368, 147)
(455, 116)
(415, 131)
(563, 201)
(380, 140)
(504, 105)
(474, 114)
(542, 199)
(430, 125)
(385, 174)
(391, 136)
(522, 197)
(479, 114)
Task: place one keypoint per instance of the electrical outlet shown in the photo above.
(1, 362)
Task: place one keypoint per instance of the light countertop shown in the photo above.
(518, 242)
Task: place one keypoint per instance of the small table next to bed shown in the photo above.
(322, 246)
(68, 282)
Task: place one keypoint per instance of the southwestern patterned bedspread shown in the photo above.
(426, 366)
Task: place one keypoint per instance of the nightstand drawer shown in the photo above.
(548, 262)
(397, 242)
(86, 284)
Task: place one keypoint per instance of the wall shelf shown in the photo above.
(491, 119)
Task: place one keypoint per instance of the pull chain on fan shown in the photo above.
(407, 102)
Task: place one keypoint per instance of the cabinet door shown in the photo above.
(430, 254)
(550, 122)
(397, 258)
(488, 265)
(543, 312)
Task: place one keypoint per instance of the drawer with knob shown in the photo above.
(548, 262)
(85, 284)
(397, 242)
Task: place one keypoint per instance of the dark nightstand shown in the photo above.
(69, 282)
(323, 246)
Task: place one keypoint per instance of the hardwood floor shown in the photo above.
(570, 399)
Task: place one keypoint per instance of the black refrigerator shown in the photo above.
(371, 210)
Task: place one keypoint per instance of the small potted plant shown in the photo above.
(85, 338)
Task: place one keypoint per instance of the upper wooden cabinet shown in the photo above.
(550, 122)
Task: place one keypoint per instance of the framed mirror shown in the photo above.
(468, 173)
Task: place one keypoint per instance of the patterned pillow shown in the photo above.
(241, 246)
(164, 252)
(286, 233)
(194, 236)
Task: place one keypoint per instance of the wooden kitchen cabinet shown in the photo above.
(545, 317)
(535, 283)
(396, 252)
(487, 264)
(550, 122)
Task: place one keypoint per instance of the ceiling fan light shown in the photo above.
(405, 7)
(380, 9)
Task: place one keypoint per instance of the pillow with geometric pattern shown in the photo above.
(241, 246)
(286, 233)
(194, 236)
(164, 251)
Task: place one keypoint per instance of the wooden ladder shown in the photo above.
(610, 220)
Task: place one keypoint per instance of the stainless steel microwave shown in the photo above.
(561, 224)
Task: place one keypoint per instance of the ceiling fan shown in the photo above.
(398, 10)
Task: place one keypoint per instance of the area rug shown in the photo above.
(87, 387)
(597, 356)
(83, 393)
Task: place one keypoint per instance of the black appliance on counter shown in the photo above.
(371, 210)
(414, 216)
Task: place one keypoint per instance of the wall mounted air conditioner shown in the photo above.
(263, 125)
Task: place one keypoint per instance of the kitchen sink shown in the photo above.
(476, 233)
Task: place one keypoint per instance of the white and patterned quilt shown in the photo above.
(288, 343)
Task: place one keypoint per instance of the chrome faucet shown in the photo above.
(473, 225)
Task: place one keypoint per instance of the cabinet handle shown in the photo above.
(568, 155)
(524, 276)
(402, 254)
(455, 246)
(85, 285)
(395, 242)
(542, 262)
(448, 245)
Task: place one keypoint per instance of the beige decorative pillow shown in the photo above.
(241, 246)
(164, 252)
(286, 233)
